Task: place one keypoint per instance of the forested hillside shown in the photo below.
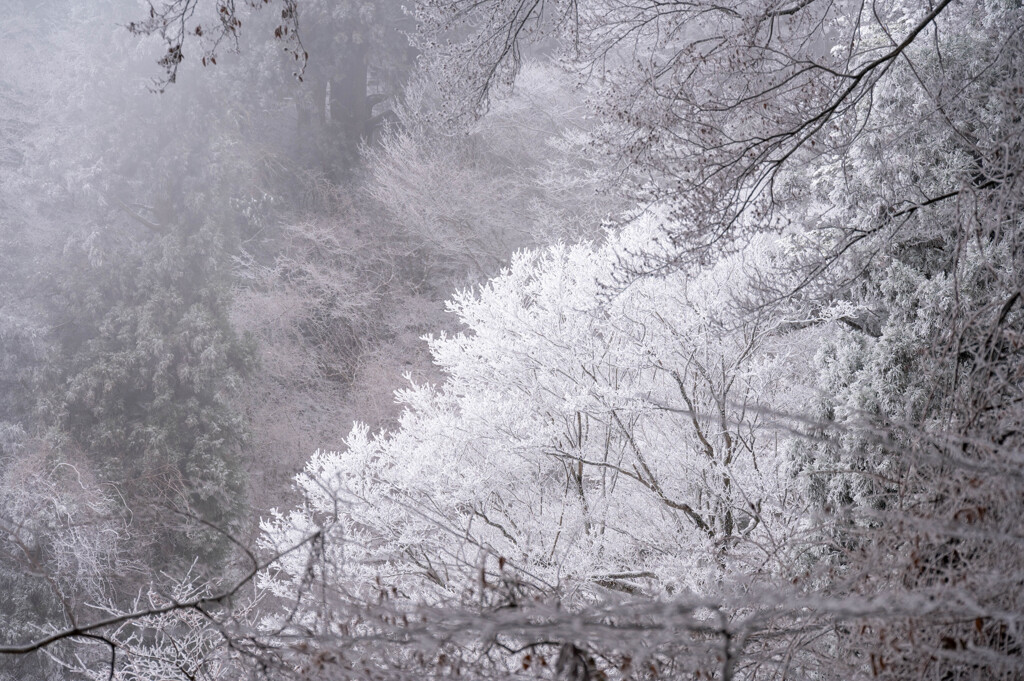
(583, 340)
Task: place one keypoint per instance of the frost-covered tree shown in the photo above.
(523, 175)
(62, 547)
(590, 442)
(771, 429)
(717, 104)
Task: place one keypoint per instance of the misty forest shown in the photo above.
(581, 340)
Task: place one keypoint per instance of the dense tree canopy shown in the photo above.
(732, 390)
(819, 427)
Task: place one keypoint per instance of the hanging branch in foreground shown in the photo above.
(218, 22)
(200, 604)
